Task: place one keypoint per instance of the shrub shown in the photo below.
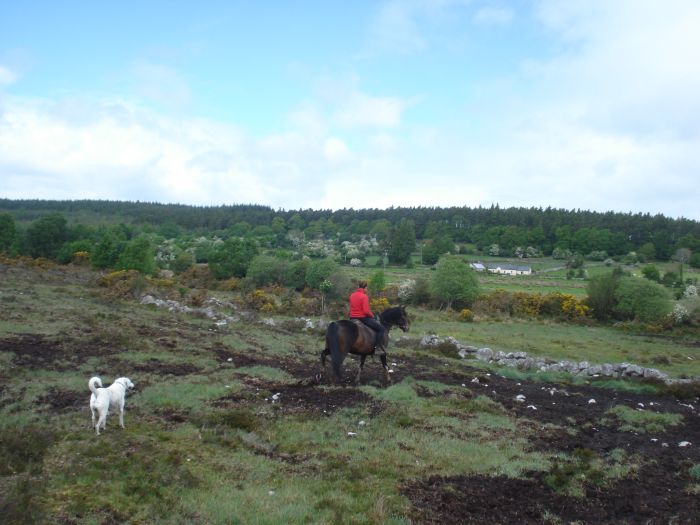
(379, 304)
(642, 299)
(454, 282)
(602, 298)
(526, 304)
(264, 270)
(466, 315)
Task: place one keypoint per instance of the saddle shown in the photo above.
(362, 326)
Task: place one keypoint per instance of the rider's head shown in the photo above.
(362, 284)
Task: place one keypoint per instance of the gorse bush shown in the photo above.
(532, 305)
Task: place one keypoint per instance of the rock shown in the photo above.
(520, 398)
(634, 371)
(484, 354)
(607, 370)
(684, 444)
(591, 401)
(532, 407)
(654, 373)
(148, 299)
(594, 370)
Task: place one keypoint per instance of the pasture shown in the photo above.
(227, 423)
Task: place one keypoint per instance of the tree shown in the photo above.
(264, 270)
(402, 242)
(320, 270)
(45, 236)
(232, 257)
(138, 255)
(652, 273)
(601, 295)
(642, 299)
(454, 282)
(682, 256)
(695, 260)
(8, 232)
(377, 283)
(106, 252)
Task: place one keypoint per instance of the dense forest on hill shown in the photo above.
(543, 228)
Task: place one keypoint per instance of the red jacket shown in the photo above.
(359, 304)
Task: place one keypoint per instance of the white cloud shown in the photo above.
(336, 150)
(6, 76)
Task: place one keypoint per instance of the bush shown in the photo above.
(454, 282)
(232, 258)
(641, 299)
(265, 270)
(466, 315)
(379, 304)
(601, 295)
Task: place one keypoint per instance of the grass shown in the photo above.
(641, 421)
(203, 445)
(560, 341)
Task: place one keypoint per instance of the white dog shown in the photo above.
(103, 399)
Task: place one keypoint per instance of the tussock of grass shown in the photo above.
(643, 422)
(571, 475)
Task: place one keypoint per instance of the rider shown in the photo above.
(359, 309)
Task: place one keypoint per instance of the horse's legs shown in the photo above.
(359, 370)
(386, 368)
(324, 365)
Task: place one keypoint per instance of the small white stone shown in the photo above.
(684, 444)
(591, 401)
(664, 445)
(362, 423)
(520, 398)
(391, 370)
(475, 380)
(352, 434)
(532, 407)
(230, 359)
(640, 405)
(271, 492)
(653, 440)
(276, 396)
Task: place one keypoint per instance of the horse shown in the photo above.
(354, 337)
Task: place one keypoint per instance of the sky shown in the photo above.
(573, 104)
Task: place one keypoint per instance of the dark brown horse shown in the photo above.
(353, 337)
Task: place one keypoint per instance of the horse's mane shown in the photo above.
(392, 315)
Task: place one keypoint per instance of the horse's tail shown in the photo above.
(333, 344)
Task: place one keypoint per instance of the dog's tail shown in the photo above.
(94, 384)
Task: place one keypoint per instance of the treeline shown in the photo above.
(524, 232)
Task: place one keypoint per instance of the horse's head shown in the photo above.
(405, 321)
(397, 316)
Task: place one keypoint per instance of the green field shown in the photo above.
(228, 423)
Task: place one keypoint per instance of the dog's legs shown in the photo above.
(121, 414)
(92, 411)
(102, 421)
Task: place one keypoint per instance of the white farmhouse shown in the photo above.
(509, 269)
